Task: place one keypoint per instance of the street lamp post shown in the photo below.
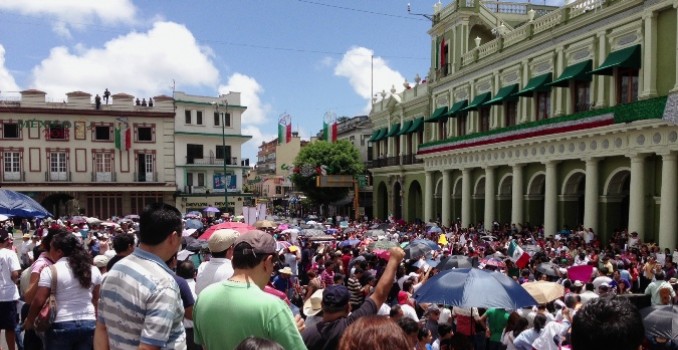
(223, 149)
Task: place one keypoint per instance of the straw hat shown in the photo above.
(286, 270)
(313, 305)
(222, 240)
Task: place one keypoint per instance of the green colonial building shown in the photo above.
(541, 115)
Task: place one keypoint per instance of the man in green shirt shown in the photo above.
(228, 312)
(496, 322)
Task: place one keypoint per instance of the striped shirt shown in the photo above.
(140, 303)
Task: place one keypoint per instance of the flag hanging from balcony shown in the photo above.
(117, 138)
(284, 129)
(330, 127)
(128, 138)
(123, 138)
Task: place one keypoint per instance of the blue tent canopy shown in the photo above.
(18, 204)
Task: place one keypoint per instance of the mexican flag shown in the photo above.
(330, 131)
(123, 138)
(518, 255)
(284, 133)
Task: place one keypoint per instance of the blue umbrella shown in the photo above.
(474, 288)
(349, 243)
(18, 204)
(428, 242)
(196, 224)
(435, 229)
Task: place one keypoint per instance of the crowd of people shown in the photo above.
(148, 284)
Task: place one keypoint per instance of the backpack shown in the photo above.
(25, 280)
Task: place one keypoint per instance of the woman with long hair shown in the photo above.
(524, 340)
(77, 294)
(375, 333)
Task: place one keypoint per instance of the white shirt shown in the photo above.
(408, 311)
(9, 262)
(74, 303)
(213, 271)
(191, 284)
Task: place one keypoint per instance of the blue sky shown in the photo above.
(300, 57)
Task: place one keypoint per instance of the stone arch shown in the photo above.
(457, 188)
(415, 202)
(572, 199)
(572, 182)
(534, 204)
(505, 185)
(479, 187)
(536, 184)
(616, 200)
(615, 183)
(381, 210)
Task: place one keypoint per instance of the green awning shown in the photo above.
(478, 102)
(456, 108)
(505, 93)
(406, 126)
(417, 125)
(624, 58)
(381, 135)
(437, 115)
(374, 136)
(395, 128)
(536, 84)
(579, 71)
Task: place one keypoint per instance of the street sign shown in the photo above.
(334, 181)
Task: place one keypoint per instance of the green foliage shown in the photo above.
(339, 158)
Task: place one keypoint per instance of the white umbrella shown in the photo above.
(93, 221)
(3, 217)
(311, 222)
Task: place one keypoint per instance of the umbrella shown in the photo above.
(280, 245)
(455, 262)
(188, 232)
(321, 238)
(544, 292)
(382, 254)
(311, 222)
(291, 231)
(265, 224)
(283, 227)
(110, 224)
(428, 242)
(18, 204)
(375, 233)
(238, 217)
(580, 273)
(196, 213)
(191, 216)
(132, 217)
(383, 226)
(93, 221)
(3, 217)
(549, 269)
(350, 230)
(474, 288)
(434, 229)
(416, 250)
(211, 210)
(193, 223)
(311, 232)
(661, 321)
(498, 263)
(385, 245)
(78, 220)
(238, 226)
(349, 243)
(343, 224)
(498, 255)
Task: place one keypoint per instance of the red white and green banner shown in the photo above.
(330, 127)
(284, 129)
(520, 134)
(518, 255)
(123, 137)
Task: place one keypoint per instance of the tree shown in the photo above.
(338, 158)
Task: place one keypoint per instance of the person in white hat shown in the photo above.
(219, 268)
(313, 308)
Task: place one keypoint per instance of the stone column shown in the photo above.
(675, 87)
(649, 69)
(601, 80)
(490, 197)
(465, 197)
(591, 194)
(525, 112)
(668, 223)
(517, 216)
(560, 67)
(447, 197)
(637, 195)
(428, 197)
(551, 199)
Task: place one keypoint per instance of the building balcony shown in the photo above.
(146, 177)
(18, 176)
(410, 159)
(212, 161)
(57, 176)
(103, 176)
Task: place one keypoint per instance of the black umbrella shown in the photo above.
(416, 250)
(549, 269)
(661, 321)
(456, 262)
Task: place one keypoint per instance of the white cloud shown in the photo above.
(357, 66)
(7, 82)
(251, 147)
(142, 64)
(74, 13)
(250, 92)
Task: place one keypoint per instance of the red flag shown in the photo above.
(334, 132)
(128, 138)
(288, 132)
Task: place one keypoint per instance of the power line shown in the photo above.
(359, 10)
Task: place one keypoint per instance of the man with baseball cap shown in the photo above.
(242, 298)
(219, 267)
(9, 294)
(336, 307)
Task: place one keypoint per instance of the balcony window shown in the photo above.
(201, 179)
(442, 130)
(627, 85)
(581, 96)
(11, 166)
(222, 151)
(58, 166)
(227, 118)
(510, 113)
(461, 123)
(103, 133)
(145, 167)
(217, 119)
(484, 115)
(103, 167)
(189, 179)
(187, 116)
(56, 132)
(193, 152)
(198, 118)
(145, 134)
(543, 100)
(11, 131)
